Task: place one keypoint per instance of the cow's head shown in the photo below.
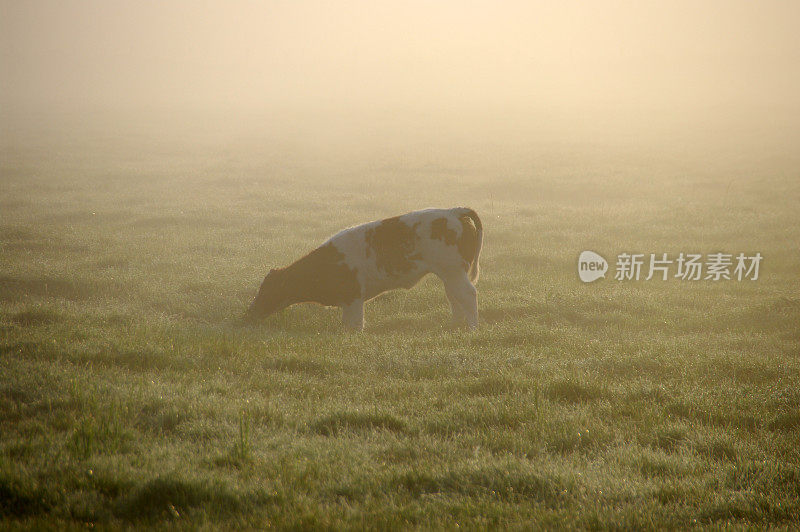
(272, 296)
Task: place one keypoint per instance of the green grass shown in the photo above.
(130, 394)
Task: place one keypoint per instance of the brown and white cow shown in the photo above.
(361, 262)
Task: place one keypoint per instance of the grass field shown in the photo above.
(130, 394)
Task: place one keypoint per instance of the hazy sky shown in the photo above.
(579, 59)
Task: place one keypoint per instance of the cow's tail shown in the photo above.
(474, 267)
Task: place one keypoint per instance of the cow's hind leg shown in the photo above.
(464, 294)
(459, 317)
(353, 315)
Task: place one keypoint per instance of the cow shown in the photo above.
(362, 262)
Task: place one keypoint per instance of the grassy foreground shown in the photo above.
(131, 396)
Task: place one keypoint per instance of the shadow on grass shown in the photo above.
(18, 500)
(782, 314)
(18, 288)
(498, 315)
(455, 423)
(142, 360)
(494, 385)
(358, 422)
(592, 314)
(13, 238)
(494, 482)
(289, 323)
(712, 416)
(742, 509)
(666, 438)
(173, 497)
(718, 449)
(35, 317)
(786, 422)
(160, 417)
(176, 221)
(294, 364)
(573, 392)
(409, 325)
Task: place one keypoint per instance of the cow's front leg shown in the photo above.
(353, 315)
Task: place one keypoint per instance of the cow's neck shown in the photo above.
(321, 277)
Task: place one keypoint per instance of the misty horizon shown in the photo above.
(718, 73)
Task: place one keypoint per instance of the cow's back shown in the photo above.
(397, 252)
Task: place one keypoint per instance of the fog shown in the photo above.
(720, 74)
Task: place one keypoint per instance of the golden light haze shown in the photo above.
(589, 70)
